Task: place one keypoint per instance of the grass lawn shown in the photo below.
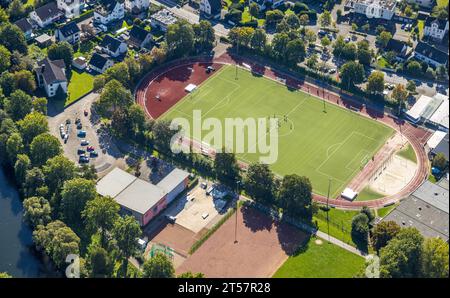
(246, 17)
(321, 261)
(340, 223)
(368, 194)
(420, 25)
(334, 144)
(408, 153)
(441, 3)
(383, 63)
(80, 84)
(382, 212)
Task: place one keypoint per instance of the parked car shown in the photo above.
(209, 190)
(332, 70)
(81, 134)
(66, 137)
(84, 159)
(79, 125)
(81, 151)
(171, 218)
(203, 185)
(93, 154)
(85, 113)
(68, 121)
(90, 148)
(84, 142)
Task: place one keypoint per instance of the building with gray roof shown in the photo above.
(426, 209)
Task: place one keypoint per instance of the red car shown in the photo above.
(90, 148)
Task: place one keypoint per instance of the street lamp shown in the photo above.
(236, 217)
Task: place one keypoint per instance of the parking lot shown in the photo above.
(100, 143)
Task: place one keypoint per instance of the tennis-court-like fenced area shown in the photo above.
(316, 139)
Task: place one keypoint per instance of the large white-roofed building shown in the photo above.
(140, 198)
(415, 113)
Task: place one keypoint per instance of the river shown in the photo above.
(17, 256)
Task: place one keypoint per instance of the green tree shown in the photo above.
(5, 59)
(57, 240)
(411, 86)
(383, 233)
(32, 125)
(21, 167)
(351, 73)
(293, 21)
(100, 214)
(400, 95)
(204, 34)
(402, 256)
(126, 232)
(304, 20)
(259, 183)
(75, 195)
(189, 274)
(162, 134)
(279, 45)
(180, 39)
(159, 266)
(14, 146)
(40, 105)
(24, 80)
(440, 161)
(414, 67)
(295, 51)
(44, 147)
(253, 9)
(16, 10)
(37, 211)
(34, 184)
(114, 96)
(258, 40)
(13, 38)
(61, 50)
(295, 196)
(383, 38)
(274, 16)
(375, 82)
(57, 170)
(226, 167)
(98, 262)
(364, 54)
(325, 19)
(312, 61)
(119, 72)
(360, 230)
(19, 104)
(435, 258)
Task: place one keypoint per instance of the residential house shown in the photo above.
(137, 6)
(100, 62)
(112, 46)
(26, 27)
(162, 19)
(423, 3)
(211, 8)
(46, 14)
(430, 54)
(435, 28)
(71, 8)
(397, 46)
(43, 40)
(139, 37)
(69, 32)
(378, 9)
(51, 75)
(108, 11)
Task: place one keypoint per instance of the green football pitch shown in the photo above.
(317, 141)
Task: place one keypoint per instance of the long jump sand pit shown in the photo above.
(262, 247)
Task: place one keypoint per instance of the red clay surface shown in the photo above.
(171, 79)
(167, 85)
(263, 245)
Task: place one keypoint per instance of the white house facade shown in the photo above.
(377, 9)
(51, 76)
(71, 8)
(211, 8)
(140, 5)
(435, 28)
(108, 12)
(423, 3)
(46, 14)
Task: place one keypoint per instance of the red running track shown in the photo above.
(169, 81)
